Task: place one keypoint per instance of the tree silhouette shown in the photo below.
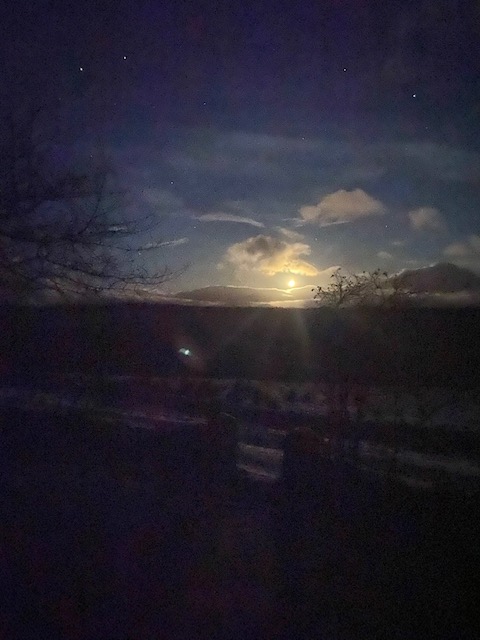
(368, 288)
(349, 350)
(63, 230)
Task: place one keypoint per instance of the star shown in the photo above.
(81, 68)
(344, 68)
(414, 95)
(124, 57)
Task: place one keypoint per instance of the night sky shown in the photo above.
(274, 140)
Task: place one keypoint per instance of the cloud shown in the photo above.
(442, 161)
(468, 249)
(271, 157)
(118, 228)
(270, 255)
(164, 243)
(457, 250)
(384, 255)
(229, 217)
(475, 243)
(342, 206)
(290, 233)
(161, 198)
(427, 219)
(241, 151)
(282, 173)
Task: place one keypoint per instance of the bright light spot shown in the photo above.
(81, 68)
(124, 57)
(344, 68)
(185, 352)
(414, 95)
(291, 283)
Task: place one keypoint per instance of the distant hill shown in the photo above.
(247, 296)
(436, 285)
(443, 277)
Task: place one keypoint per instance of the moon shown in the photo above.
(291, 283)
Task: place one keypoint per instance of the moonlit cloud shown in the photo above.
(470, 248)
(229, 217)
(270, 255)
(341, 207)
(427, 219)
(457, 250)
(385, 255)
(165, 243)
(291, 234)
(474, 242)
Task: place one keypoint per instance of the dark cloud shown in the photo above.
(161, 198)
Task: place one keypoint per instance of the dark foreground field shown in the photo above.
(109, 532)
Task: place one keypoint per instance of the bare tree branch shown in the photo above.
(62, 230)
(369, 288)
